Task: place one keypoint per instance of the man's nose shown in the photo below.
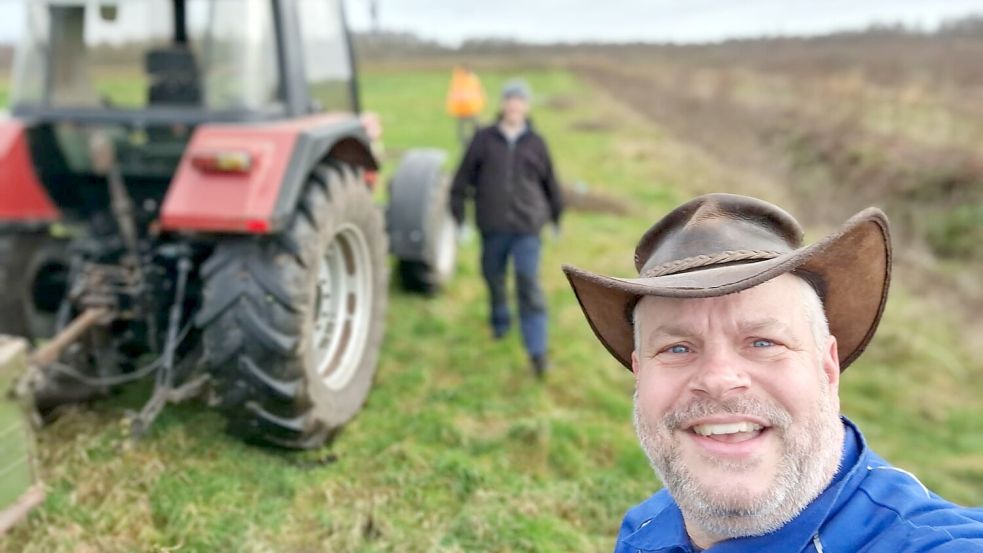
(721, 374)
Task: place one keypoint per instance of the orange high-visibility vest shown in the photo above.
(465, 98)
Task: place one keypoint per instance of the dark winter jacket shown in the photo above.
(513, 185)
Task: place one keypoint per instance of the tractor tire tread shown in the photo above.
(256, 310)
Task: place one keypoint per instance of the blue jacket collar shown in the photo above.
(665, 530)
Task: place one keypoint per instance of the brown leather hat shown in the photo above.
(720, 244)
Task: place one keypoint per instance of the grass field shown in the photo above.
(458, 448)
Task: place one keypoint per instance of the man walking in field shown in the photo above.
(736, 335)
(508, 170)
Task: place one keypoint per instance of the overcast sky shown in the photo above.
(652, 20)
(451, 21)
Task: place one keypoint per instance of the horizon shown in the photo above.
(874, 27)
(658, 21)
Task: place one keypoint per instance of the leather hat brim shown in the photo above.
(854, 263)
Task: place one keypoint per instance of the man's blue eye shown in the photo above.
(678, 349)
(762, 343)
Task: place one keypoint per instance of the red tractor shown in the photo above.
(186, 194)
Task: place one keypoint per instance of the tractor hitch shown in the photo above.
(39, 387)
(164, 389)
(50, 382)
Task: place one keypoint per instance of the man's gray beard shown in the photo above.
(811, 456)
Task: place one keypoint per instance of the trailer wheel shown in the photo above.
(292, 323)
(428, 277)
(422, 231)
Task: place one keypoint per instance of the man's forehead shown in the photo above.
(680, 328)
(770, 301)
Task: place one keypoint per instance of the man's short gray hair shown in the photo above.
(814, 312)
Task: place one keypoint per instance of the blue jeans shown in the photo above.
(496, 248)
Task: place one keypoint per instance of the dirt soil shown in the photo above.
(824, 170)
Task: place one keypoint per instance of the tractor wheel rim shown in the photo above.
(446, 247)
(343, 308)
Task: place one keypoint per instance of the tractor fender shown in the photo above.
(22, 197)
(260, 198)
(417, 190)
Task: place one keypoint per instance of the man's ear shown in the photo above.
(634, 364)
(831, 364)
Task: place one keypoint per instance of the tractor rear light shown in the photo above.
(223, 161)
(371, 178)
(258, 226)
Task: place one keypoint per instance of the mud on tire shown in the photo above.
(292, 323)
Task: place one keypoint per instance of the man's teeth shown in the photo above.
(730, 428)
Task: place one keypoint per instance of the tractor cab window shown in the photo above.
(327, 59)
(146, 54)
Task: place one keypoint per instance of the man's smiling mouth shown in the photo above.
(728, 428)
(729, 432)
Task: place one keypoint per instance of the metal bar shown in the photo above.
(353, 83)
(163, 386)
(49, 352)
(30, 499)
(180, 23)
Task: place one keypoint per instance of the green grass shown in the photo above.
(458, 448)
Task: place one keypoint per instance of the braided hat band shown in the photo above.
(729, 256)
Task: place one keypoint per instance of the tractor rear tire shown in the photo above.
(33, 280)
(292, 323)
(15, 253)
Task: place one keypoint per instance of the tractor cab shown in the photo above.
(182, 60)
(147, 72)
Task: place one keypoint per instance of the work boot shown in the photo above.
(540, 364)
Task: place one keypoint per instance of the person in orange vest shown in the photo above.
(465, 100)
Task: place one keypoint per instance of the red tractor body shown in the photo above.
(186, 196)
(22, 198)
(249, 190)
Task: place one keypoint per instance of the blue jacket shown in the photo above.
(869, 507)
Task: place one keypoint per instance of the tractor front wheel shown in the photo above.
(292, 323)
